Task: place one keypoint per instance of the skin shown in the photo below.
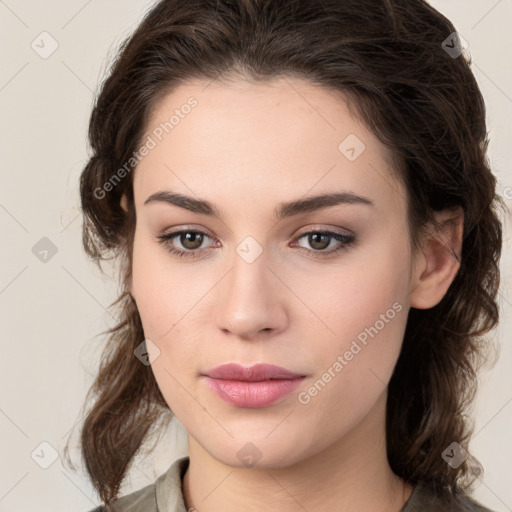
(246, 147)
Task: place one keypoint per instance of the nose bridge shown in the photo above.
(247, 303)
(248, 279)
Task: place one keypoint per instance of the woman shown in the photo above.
(300, 201)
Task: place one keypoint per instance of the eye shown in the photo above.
(321, 240)
(191, 241)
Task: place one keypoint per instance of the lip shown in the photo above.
(255, 386)
(254, 373)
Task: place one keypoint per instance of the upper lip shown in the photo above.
(257, 372)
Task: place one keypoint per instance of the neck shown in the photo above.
(351, 475)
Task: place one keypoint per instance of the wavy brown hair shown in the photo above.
(387, 59)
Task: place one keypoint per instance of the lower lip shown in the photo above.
(252, 394)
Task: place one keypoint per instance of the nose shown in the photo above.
(250, 300)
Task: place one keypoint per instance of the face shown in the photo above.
(252, 286)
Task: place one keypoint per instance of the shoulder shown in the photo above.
(143, 500)
(424, 499)
(164, 494)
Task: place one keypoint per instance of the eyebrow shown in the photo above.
(283, 210)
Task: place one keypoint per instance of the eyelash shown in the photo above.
(345, 240)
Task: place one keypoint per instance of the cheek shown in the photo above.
(163, 306)
(343, 300)
(363, 307)
(353, 365)
(152, 291)
(379, 308)
(167, 300)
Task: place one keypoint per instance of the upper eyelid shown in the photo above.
(181, 230)
(315, 227)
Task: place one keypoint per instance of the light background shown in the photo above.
(51, 312)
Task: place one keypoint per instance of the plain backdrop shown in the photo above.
(54, 302)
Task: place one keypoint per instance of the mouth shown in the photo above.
(254, 373)
(256, 386)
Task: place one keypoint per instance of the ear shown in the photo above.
(124, 203)
(130, 289)
(438, 260)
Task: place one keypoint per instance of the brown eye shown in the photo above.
(315, 240)
(191, 239)
(184, 243)
(321, 240)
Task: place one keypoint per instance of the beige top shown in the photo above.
(166, 495)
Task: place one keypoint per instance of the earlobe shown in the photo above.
(130, 290)
(438, 261)
(124, 203)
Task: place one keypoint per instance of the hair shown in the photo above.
(386, 59)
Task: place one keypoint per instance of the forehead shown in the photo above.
(278, 139)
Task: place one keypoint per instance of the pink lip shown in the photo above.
(257, 372)
(256, 386)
